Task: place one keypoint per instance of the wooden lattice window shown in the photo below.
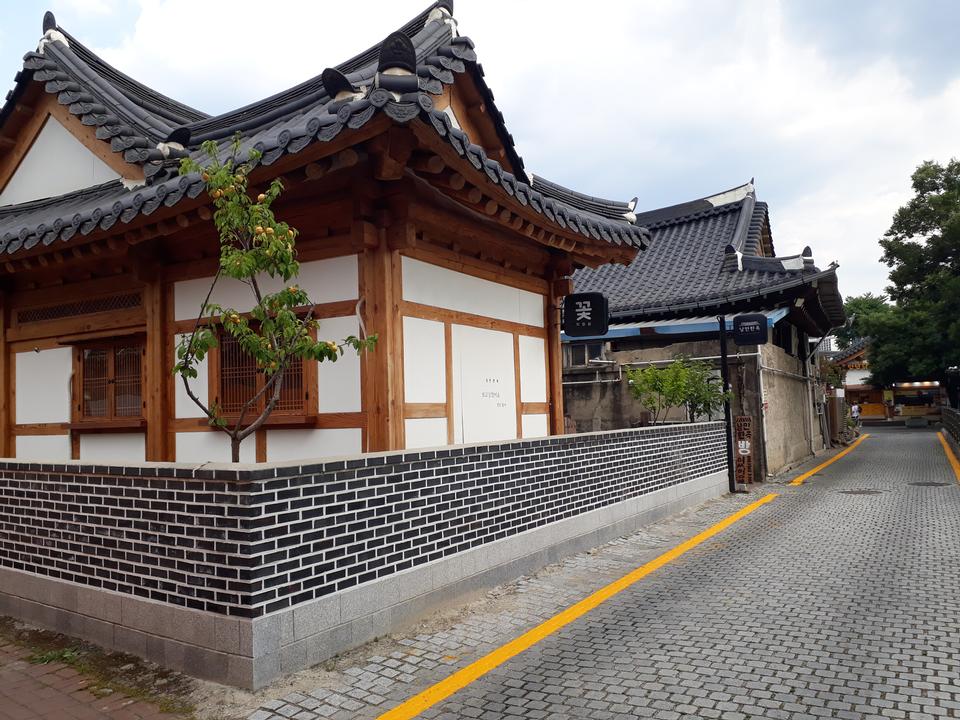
(239, 379)
(110, 381)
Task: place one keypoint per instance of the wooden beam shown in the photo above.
(158, 357)
(554, 353)
(430, 164)
(425, 410)
(456, 317)
(391, 151)
(382, 369)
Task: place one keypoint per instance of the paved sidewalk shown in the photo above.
(57, 692)
(838, 599)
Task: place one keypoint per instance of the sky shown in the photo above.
(828, 105)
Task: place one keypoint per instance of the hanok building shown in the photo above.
(916, 401)
(708, 258)
(415, 214)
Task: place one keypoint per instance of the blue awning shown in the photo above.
(678, 326)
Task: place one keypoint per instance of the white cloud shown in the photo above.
(668, 101)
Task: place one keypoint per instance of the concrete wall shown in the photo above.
(242, 573)
(789, 409)
(595, 400)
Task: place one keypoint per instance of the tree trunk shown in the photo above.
(234, 449)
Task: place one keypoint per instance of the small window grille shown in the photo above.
(111, 381)
(80, 307)
(240, 380)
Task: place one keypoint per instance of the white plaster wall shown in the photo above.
(185, 407)
(43, 386)
(533, 369)
(43, 447)
(857, 377)
(433, 285)
(483, 385)
(339, 382)
(325, 281)
(313, 444)
(113, 447)
(56, 163)
(212, 446)
(534, 426)
(424, 362)
(425, 432)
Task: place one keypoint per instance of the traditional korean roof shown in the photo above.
(155, 132)
(852, 351)
(706, 255)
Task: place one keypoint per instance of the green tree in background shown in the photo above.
(920, 336)
(683, 383)
(860, 309)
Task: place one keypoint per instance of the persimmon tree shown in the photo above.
(279, 327)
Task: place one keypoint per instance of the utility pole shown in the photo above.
(728, 424)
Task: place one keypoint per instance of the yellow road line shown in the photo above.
(954, 463)
(460, 679)
(799, 479)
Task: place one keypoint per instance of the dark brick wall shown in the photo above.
(257, 539)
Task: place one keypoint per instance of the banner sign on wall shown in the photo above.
(750, 329)
(585, 315)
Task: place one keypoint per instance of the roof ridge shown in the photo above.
(612, 209)
(302, 95)
(117, 76)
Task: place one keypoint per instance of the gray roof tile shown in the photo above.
(282, 124)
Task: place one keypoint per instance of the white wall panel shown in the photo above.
(313, 444)
(212, 446)
(339, 381)
(433, 285)
(484, 385)
(185, 407)
(534, 426)
(425, 432)
(325, 281)
(531, 308)
(533, 369)
(43, 386)
(113, 447)
(424, 361)
(43, 447)
(857, 377)
(56, 163)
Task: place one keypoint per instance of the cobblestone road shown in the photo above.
(839, 599)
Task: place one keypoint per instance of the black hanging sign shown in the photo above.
(585, 315)
(750, 329)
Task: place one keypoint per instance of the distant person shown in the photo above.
(855, 414)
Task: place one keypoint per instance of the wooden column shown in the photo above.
(559, 270)
(158, 361)
(6, 388)
(382, 369)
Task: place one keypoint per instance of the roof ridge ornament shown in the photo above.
(443, 12)
(338, 85)
(50, 32)
(397, 53)
(397, 67)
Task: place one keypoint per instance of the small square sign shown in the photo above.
(585, 315)
(750, 329)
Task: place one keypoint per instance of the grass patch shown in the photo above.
(106, 672)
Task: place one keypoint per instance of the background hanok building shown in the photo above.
(916, 401)
(415, 215)
(711, 257)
